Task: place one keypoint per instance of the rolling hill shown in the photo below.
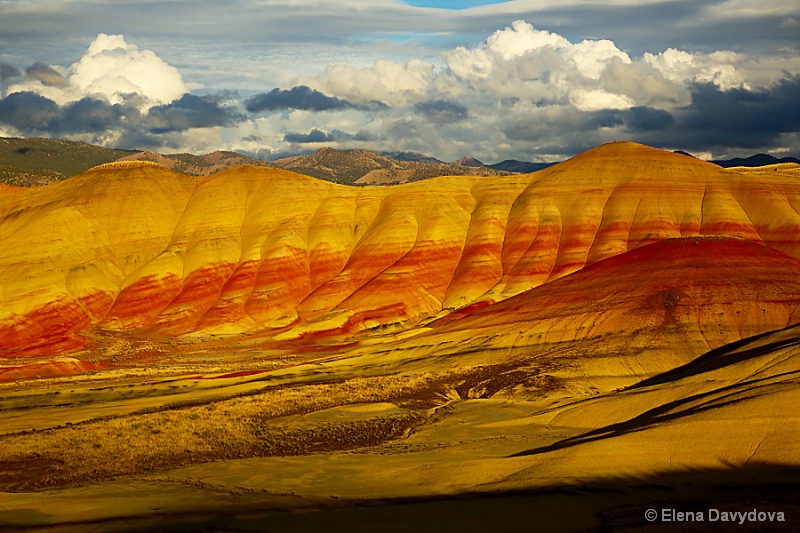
(197, 165)
(32, 162)
(258, 349)
(255, 249)
(363, 167)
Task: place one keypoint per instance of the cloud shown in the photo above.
(8, 72)
(442, 111)
(334, 136)
(644, 118)
(113, 68)
(386, 81)
(31, 113)
(301, 97)
(314, 136)
(191, 111)
(739, 117)
(91, 116)
(462, 82)
(110, 69)
(28, 112)
(538, 54)
(679, 66)
(96, 120)
(45, 74)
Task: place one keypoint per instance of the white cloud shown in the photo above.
(111, 67)
(534, 53)
(387, 81)
(521, 61)
(718, 68)
(598, 99)
(114, 70)
(528, 91)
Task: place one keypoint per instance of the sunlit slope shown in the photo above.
(728, 408)
(628, 317)
(66, 250)
(252, 249)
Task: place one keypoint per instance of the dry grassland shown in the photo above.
(268, 423)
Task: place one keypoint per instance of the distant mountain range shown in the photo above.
(758, 160)
(34, 162)
(361, 167)
(509, 165)
(197, 165)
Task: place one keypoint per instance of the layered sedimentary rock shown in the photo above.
(628, 317)
(138, 247)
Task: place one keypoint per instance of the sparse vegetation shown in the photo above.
(33, 162)
(360, 167)
(268, 423)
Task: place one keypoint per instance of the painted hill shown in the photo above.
(615, 333)
(630, 316)
(260, 250)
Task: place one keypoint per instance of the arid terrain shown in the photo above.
(39, 161)
(259, 350)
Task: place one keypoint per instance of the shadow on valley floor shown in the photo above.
(604, 505)
(667, 412)
(726, 355)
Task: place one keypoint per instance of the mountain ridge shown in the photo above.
(361, 167)
(39, 161)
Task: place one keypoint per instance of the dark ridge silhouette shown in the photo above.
(523, 167)
(758, 160)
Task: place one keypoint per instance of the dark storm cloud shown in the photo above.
(314, 136)
(595, 120)
(716, 119)
(636, 119)
(735, 118)
(318, 136)
(442, 111)
(191, 111)
(33, 114)
(28, 112)
(301, 97)
(89, 115)
(305, 98)
(741, 112)
(8, 72)
(647, 119)
(45, 74)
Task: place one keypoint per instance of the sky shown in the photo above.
(532, 80)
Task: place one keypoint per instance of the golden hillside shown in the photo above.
(258, 249)
(615, 333)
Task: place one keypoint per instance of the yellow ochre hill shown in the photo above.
(258, 349)
(264, 251)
